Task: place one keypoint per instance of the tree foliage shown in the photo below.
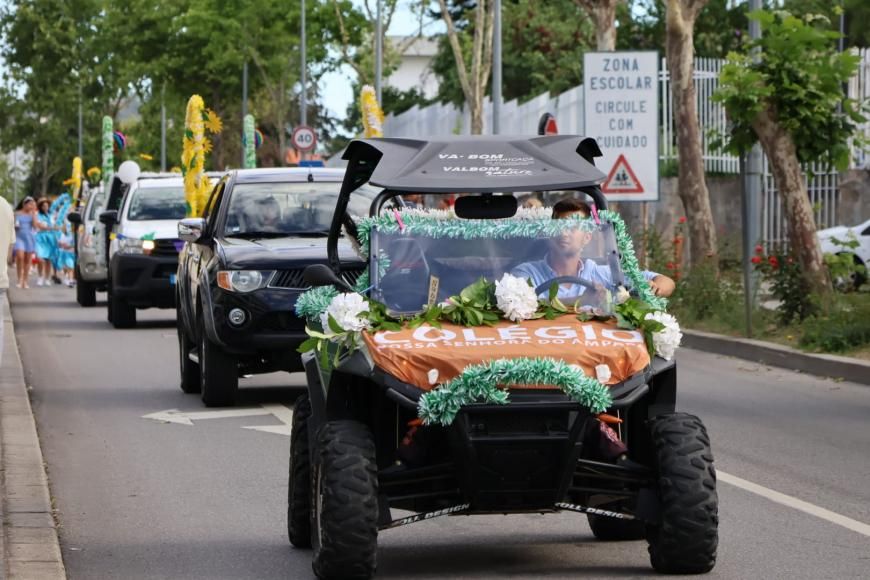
(799, 76)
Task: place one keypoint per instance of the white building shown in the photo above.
(415, 70)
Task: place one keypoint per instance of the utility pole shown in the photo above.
(379, 53)
(81, 129)
(245, 104)
(496, 70)
(303, 105)
(163, 128)
(752, 190)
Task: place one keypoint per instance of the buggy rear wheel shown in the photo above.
(685, 539)
(616, 530)
(345, 514)
(299, 481)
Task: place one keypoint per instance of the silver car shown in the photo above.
(90, 269)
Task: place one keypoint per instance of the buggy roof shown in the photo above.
(475, 164)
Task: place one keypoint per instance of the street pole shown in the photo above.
(81, 129)
(245, 103)
(163, 128)
(752, 191)
(496, 70)
(14, 174)
(379, 53)
(303, 105)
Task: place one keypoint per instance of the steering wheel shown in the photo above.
(544, 287)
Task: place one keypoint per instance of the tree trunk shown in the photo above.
(804, 245)
(282, 131)
(605, 24)
(690, 182)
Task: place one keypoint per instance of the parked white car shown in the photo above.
(860, 233)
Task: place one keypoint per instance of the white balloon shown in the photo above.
(128, 171)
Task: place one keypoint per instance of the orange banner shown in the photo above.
(410, 355)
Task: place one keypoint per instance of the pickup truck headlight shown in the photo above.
(243, 280)
(135, 246)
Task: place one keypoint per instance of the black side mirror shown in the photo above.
(75, 218)
(322, 275)
(109, 218)
(485, 207)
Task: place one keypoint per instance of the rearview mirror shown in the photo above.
(485, 207)
(190, 229)
(109, 218)
(75, 218)
(322, 275)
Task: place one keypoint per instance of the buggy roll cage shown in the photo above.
(479, 164)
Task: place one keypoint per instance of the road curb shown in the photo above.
(30, 545)
(822, 365)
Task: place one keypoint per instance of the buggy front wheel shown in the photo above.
(685, 539)
(345, 496)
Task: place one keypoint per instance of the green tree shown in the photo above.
(790, 99)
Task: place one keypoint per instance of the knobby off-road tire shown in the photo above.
(616, 530)
(86, 293)
(346, 503)
(299, 480)
(685, 540)
(188, 369)
(218, 374)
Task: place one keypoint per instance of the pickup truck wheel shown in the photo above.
(86, 293)
(218, 374)
(189, 370)
(121, 314)
(299, 479)
(615, 530)
(685, 539)
(345, 514)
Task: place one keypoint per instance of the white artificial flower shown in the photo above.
(666, 340)
(515, 298)
(346, 310)
(622, 295)
(432, 375)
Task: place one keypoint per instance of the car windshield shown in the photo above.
(157, 203)
(426, 257)
(289, 208)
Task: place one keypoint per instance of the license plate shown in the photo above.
(172, 278)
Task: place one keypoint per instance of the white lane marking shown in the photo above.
(283, 414)
(185, 418)
(795, 503)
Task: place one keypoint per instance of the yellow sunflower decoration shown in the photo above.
(194, 148)
(75, 182)
(372, 114)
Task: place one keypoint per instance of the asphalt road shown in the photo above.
(139, 498)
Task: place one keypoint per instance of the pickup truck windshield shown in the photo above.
(293, 208)
(157, 203)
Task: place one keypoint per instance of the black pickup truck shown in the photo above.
(240, 273)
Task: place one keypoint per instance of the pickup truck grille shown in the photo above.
(166, 247)
(293, 278)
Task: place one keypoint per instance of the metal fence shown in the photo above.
(522, 119)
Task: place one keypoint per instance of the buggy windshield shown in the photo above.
(427, 258)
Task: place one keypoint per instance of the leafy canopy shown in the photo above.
(798, 77)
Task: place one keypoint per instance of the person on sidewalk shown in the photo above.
(25, 240)
(46, 242)
(7, 238)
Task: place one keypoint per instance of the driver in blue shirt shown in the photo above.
(564, 259)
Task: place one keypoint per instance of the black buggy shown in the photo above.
(358, 451)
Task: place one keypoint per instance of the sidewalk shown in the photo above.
(30, 548)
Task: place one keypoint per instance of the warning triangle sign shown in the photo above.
(622, 179)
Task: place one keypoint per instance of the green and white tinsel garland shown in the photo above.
(107, 147)
(480, 384)
(312, 303)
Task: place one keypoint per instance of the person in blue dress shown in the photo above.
(46, 242)
(66, 259)
(25, 240)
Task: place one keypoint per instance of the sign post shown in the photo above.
(621, 110)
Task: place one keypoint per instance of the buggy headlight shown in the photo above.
(243, 280)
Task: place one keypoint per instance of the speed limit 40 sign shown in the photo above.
(304, 138)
